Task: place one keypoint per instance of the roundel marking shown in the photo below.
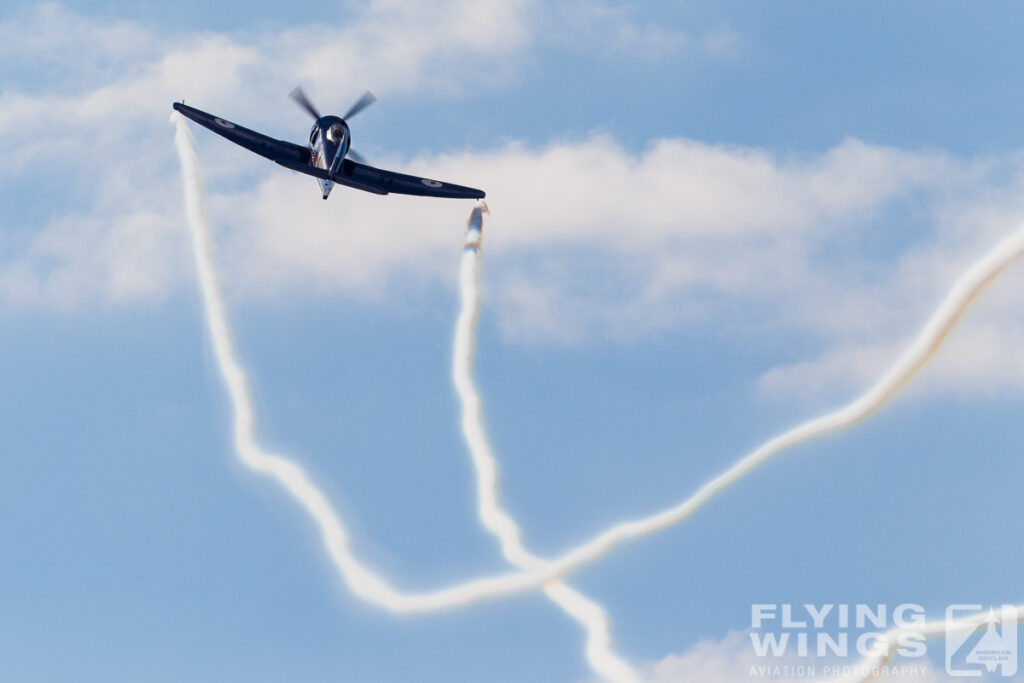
(430, 183)
(223, 123)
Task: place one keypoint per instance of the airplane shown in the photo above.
(329, 157)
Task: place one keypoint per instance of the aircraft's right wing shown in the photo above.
(285, 153)
(379, 181)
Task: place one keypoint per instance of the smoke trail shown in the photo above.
(372, 588)
(888, 643)
(591, 616)
(962, 294)
(361, 580)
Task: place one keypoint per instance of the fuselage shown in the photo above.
(329, 142)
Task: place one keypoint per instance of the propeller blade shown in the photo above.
(299, 96)
(355, 156)
(362, 103)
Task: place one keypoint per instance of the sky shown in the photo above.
(709, 221)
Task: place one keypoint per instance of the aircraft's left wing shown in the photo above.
(285, 153)
(379, 181)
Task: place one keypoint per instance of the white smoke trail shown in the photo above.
(889, 643)
(362, 581)
(592, 617)
(963, 292)
(372, 588)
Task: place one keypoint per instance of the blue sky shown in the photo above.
(710, 220)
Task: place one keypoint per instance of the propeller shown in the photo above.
(299, 96)
(355, 156)
(362, 103)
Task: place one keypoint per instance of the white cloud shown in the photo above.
(684, 216)
(100, 134)
(733, 660)
(615, 29)
(65, 49)
(729, 660)
(585, 238)
(864, 322)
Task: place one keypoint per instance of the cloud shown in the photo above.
(590, 241)
(730, 660)
(843, 251)
(89, 124)
(615, 29)
(733, 660)
(49, 44)
(863, 322)
(683, 216)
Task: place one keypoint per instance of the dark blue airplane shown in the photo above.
(329, 156)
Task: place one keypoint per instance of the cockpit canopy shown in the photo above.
(336, 133)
